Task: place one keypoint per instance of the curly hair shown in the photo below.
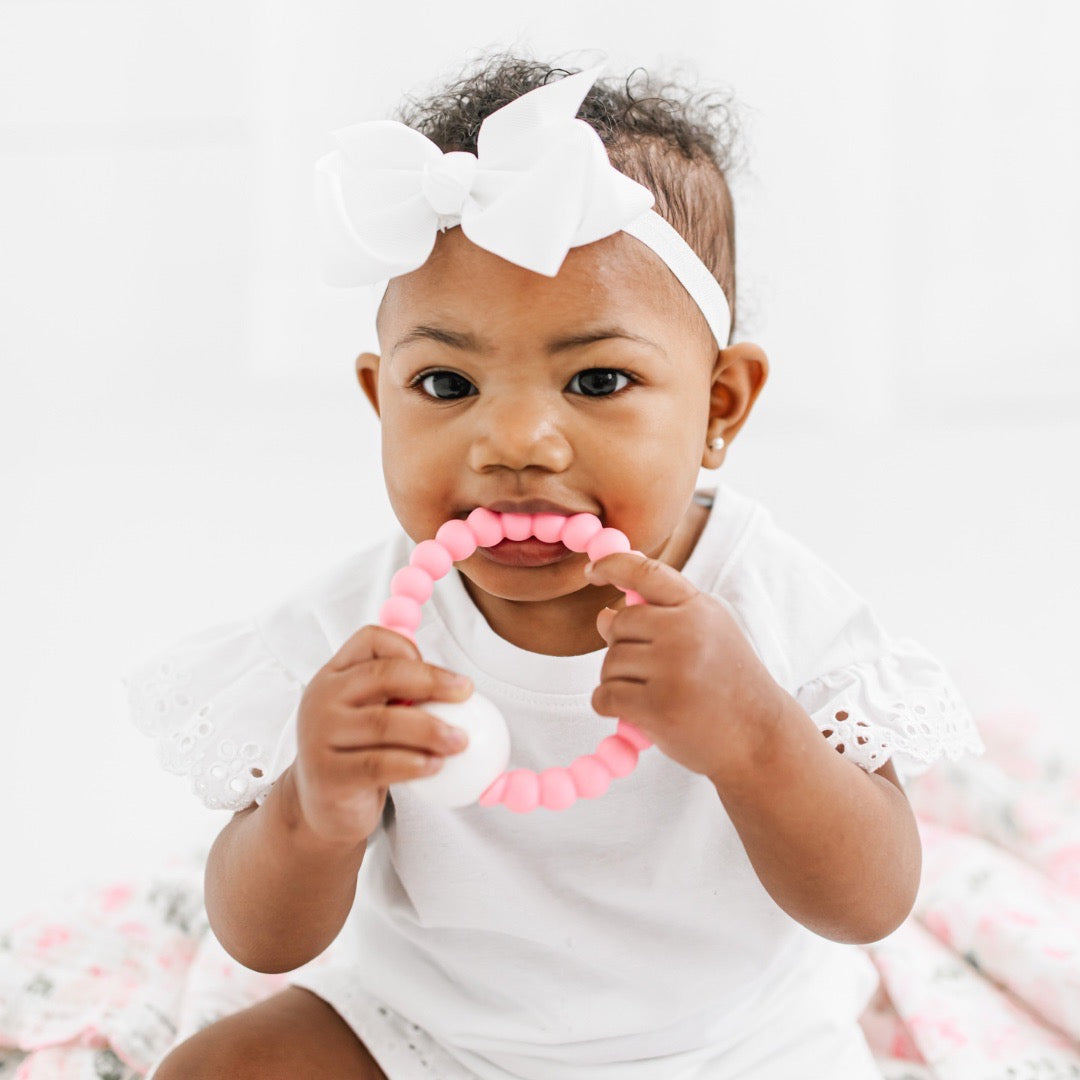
(678, 144)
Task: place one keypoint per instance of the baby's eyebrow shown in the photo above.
(469, 342)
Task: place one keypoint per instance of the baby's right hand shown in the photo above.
(352, 743)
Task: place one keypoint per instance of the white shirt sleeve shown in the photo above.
(899, 704)
(874, 697)
(222, 704)
(218, 704)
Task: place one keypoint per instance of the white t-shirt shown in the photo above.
(627, 936)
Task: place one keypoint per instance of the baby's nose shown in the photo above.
(518, 434)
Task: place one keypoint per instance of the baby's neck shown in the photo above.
(566, 626)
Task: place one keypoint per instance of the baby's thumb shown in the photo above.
(603, 623)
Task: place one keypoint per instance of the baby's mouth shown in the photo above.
(531, 533)
(526, 553)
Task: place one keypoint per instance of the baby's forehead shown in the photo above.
(616, 279)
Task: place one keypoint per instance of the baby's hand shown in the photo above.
(352, 743)
(679, 668)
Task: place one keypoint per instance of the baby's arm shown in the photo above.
(836, 847)
(276, 894)
(281, 877)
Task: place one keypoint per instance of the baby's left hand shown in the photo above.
(679, 668)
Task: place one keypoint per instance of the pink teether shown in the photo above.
(579, 530)
(413, 582)
(607, 542)
(476, 774)
(619, 755)
(557, 790)
(548, 527)
(591, 776)
(522, 792)
(400, 611)
(517, 526)
(486, 526)
(457, 538)
(432, 557)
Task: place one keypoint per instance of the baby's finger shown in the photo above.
(603, 623)
(394, 678)
(384, 766)
(370, 642)
(628, 660)
(637, 623)
(620, 697)
(656, 582)
(395, 725)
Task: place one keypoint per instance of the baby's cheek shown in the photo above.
(419, 491)
(656, 514)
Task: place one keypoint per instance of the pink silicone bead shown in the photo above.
(632, 735)
(413, 582)
(579, 530)
(486, 527)
(517, 526)
(591, 776)
(431, 556)
(493, 795)
(522, 792)
(400, 611)
(548, 527)
(607, 542)
(618, 755)
(457, 538)
(557, 790)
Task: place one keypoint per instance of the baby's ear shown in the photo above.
(367, 374)
(738, 377)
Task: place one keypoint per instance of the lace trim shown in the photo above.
(226, 773)
(924, 726)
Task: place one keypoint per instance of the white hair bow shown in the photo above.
(539, 184)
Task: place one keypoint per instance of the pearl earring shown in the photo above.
(717, 443)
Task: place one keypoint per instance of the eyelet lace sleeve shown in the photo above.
(900, 706)
(219, 705)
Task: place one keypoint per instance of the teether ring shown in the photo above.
(476, 774)
(464, 777)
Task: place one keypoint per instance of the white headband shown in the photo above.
(539, 184)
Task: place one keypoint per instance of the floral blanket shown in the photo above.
(982, 982)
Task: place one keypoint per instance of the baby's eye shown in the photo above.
(598, 382)
(445, 385)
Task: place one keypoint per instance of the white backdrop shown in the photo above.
(182, 439)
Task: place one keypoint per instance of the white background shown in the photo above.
(181, 436)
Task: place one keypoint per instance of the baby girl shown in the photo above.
(556, 260)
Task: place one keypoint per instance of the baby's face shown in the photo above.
(502, 388)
